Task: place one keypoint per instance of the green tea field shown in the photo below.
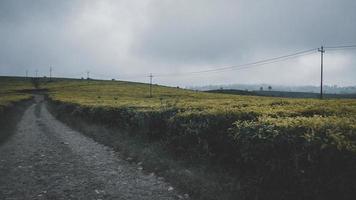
(282, 146)
(271, 148)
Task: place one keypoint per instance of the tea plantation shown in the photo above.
(282, 148)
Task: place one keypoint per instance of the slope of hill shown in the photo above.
(11, 90)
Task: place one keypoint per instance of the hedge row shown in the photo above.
(199, 135)
(9, 116)
(298, 158)
(277, 158)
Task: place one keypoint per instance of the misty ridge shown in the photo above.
(329, 89)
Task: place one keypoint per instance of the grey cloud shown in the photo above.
(22, 11)
(209, 30)
(126, 38)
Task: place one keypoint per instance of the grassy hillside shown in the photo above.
(136, 95)
(284, 148)
(11, 90)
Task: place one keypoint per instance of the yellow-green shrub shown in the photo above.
(297, 158)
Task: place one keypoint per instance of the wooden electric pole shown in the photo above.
(151, 76)
(50, 73)
(88, 72)
(322, 51)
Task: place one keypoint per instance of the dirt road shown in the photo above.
(45, 159)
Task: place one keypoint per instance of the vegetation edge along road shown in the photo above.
(274, 148)
(277, 156)
(200, 182)
(13, 102)
(10, 115)
(271, 148)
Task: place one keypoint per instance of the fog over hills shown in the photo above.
(334, 89)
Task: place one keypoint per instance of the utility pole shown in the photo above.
(26, 74)
(322, 51)
(88, 72)
(50, 73)
(36, 72)
(151, 76)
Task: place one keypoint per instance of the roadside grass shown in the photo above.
(11, 90)
(14, 84)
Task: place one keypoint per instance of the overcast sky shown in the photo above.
(129, 39)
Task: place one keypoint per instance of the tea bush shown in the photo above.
(282, 148)
(298, 158)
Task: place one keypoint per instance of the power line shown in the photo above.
(249, 65)
(235, 67)
(244, 66)
(340, 47)
(261, 62)
(241, 66)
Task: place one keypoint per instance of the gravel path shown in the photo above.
(45, 159)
